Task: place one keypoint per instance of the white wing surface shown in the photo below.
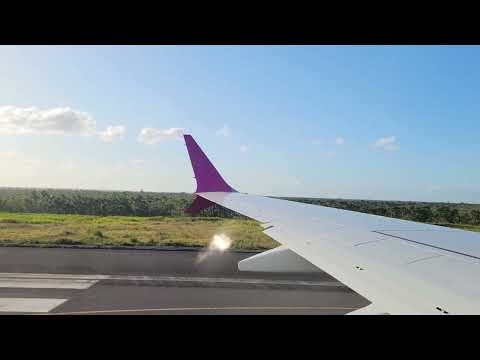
(402, 267)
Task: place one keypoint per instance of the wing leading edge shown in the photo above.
(402, 267)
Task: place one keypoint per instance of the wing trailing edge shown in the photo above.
(371, 309)
(279, 259)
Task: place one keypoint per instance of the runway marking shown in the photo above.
(196, 279)
(29, 305)
(210, 308)
(26, 283)
(82, 282)
(54, 276)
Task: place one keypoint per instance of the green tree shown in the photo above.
(423, 214)
(475, 215)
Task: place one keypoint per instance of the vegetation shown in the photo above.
(434, 213)
(48, 216)
(129, 203)
(43, 229)
(102, 203)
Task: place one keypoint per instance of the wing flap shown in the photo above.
(279, 259)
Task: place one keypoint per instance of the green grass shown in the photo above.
(45, 229)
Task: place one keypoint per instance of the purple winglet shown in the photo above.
(208, 178)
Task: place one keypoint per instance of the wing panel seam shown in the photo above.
(429, 245)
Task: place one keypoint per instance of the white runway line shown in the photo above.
(29, 305)
(197, 279)
(84, 281)
(37, 305)
(54, 276)
(26, 283)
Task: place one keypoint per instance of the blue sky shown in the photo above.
(369, 122)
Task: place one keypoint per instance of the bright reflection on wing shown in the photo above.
(218, 244)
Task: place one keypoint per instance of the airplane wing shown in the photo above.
(401, 267)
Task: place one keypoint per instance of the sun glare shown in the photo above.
(220, 242)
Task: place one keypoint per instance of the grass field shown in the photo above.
(48, 229)
(38, 229)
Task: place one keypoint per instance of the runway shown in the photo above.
(79, 281)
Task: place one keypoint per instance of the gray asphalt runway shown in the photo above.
(81, 281)
(129, 262)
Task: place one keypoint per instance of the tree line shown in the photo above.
(102, 203)
(434, 213)
(140, 203)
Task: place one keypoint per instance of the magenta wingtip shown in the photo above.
(207, 176)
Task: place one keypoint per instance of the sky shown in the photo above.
(357, 122)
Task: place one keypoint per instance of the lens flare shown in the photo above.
(218, 244)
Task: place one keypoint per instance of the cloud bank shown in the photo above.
(152, 136)
(387, 143)
(54, 121)
(112, 133)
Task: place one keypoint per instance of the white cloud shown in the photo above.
(224, 131)
(243, 148)
(54, 121)
(152, 136)
(14, 120)
(112, 133)
(339, 140)
(316, 142)
(388, 143)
